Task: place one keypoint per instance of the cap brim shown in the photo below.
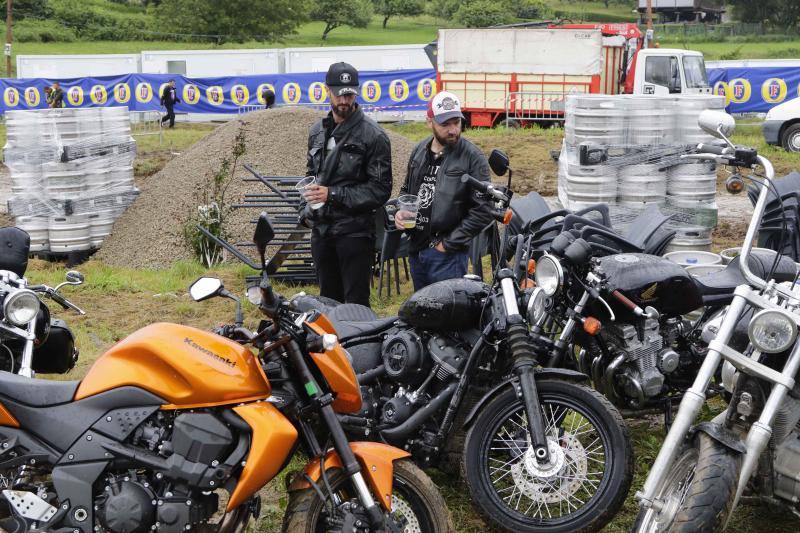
(341, 91)
(444, 117)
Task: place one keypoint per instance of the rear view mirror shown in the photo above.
(263, 235)
(73, 276)
(205, 288)
(716, 123)
(498, 162)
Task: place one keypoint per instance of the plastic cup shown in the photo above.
(407, 208)
(304, 184)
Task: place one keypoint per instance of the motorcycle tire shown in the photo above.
(414, 496)
(699, 491)
(576, 418)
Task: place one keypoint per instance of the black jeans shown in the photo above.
(169, 116)
(344, 266)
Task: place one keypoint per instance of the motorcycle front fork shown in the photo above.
(25, 368)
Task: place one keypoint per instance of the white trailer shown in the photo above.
(76, 66)
(394, 57)
(212, 63)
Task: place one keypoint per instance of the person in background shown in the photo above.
(269, 97)
(351, 158)
(57, 96)
(450, 212)
(169, 97)
(48, 96)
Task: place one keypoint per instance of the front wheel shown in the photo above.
(590, 468)
(697, 493)
(417, 505)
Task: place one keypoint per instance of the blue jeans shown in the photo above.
(430, 265)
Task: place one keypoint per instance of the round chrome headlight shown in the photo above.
(20, 307)
(549, 274)
(537, 306)
(772, 331)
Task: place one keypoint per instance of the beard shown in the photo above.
(343, 111)
(447, 140)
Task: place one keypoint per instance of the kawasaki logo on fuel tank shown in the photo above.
(209, 353)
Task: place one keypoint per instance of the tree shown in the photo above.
(482, 13)
(233, 20)
(784, 13)
(336, 13)
(395, 8)
(39, 9)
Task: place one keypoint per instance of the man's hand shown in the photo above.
(316, 194)
(440, 248)
(399, 217)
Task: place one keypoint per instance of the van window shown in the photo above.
(695, 70)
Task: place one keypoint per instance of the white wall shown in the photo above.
(211, 63)
(407, 56)
(76, 66)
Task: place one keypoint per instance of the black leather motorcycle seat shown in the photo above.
(350, 313)
(349, 330)
(760, 262)
(37, 392)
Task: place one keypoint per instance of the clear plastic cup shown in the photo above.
(407, 208)
(305, 183)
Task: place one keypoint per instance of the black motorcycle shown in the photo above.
(622, 317)
(455, 379)
(31, 341)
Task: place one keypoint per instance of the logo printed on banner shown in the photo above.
(144, 92)
(75, 95)
(740, 91)
(774, 90)
(722, 89)
(240, 95)
(98, 95)
(215, 95)
(398, 90)
(32, 96)
(11, 97)
(371, 91)
(317, 92)
(122, 93)
(291, 93)
(191, 94)
(260, 92)
(426, 89)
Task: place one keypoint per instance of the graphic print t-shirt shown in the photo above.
(421, 237)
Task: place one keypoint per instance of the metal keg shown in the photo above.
(69, 233)
(687, 110)
(37, 229)
(596, 118)
(648, 121)
(689, 238)
(644, 184)
(64, 184)
(101, 224)
(695, 182)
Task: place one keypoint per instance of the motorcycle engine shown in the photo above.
(646, 360)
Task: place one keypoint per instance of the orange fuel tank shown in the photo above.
(187, 367)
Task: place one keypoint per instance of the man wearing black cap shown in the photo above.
(450, 212)
(351, 158)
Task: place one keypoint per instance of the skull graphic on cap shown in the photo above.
(344, 77)
(448, 104)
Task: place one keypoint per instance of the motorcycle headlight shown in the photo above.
(772, 331)
(549, 274)
(20, 307)
(537, 306)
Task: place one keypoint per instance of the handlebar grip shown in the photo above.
(482, 186)
(624, 300)
(711, 149)
(60, 300)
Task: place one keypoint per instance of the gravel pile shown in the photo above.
(149, 233)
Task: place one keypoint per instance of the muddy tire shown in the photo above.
(414, 496)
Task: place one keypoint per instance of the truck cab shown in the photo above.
(663, 71)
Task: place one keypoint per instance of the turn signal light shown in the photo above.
(592, 326)
(527, 283)
(531, 266)
(508, 216)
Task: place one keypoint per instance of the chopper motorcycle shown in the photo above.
(30, 340)
(177, 429)
(704, 469)
(454, 380)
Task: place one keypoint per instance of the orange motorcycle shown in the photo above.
(177, 429)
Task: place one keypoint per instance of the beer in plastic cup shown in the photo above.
(305, 183)
(407, 208)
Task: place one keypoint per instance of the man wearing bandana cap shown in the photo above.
(451, 213)
(351, 158)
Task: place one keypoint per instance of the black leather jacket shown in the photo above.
(357, 172)
(459, 212)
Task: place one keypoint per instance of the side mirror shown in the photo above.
(716, 123)
(263, 235)
(205, 288)
(73, 276)
(498, 162)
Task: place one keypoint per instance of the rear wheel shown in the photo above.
(417, 505)
(790, 138)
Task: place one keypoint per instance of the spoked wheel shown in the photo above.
(697, 493)
(586, 480)
(417, 505)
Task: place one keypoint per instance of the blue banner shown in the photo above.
(755, 89)
(142, 92)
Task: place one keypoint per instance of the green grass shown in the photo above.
(593, 11)
(739, 50)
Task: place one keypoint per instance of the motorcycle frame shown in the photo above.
(760, 431)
